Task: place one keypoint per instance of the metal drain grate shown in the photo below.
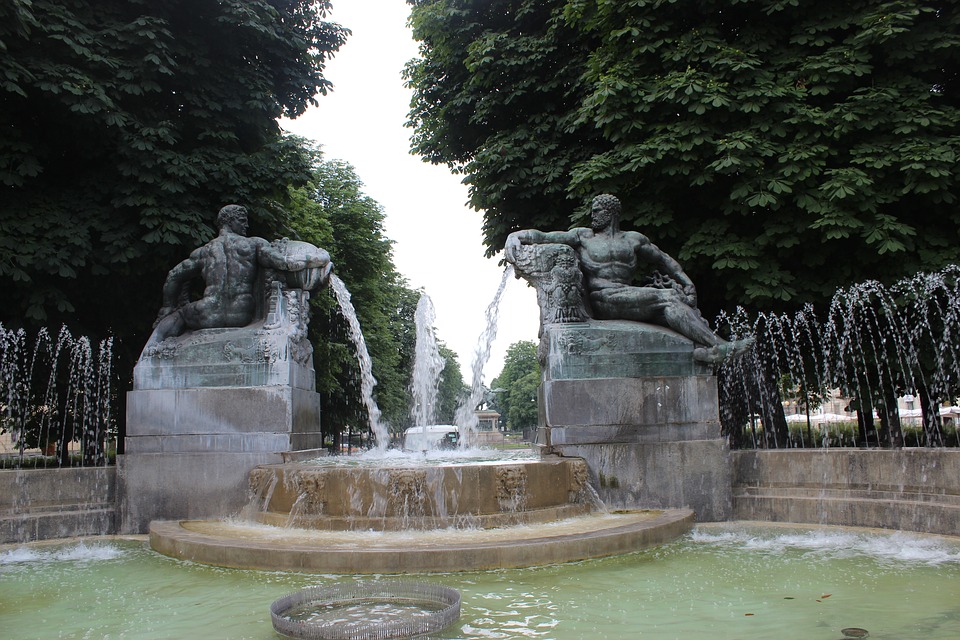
(367, 610)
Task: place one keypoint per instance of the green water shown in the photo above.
(722, 581)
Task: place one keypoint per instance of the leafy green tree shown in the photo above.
(452, 389)
(778, 148)
(516, 386)
(333, 212)
(126, 125)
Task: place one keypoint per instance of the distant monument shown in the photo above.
(627, 368)
(226, 380)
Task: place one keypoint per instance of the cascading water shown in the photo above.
(367, 381)
(873, 344)
(466, 418)
(57, 392)
(427, 366)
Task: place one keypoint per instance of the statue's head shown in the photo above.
(605, 212)
(234, 217)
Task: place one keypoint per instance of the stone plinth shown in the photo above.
(205, 409)
(616, 349)
(630, 399)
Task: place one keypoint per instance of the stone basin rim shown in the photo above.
(171, 538)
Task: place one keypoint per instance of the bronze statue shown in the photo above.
(610, 258)
(229, 266)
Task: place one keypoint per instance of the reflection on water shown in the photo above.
(721, 582)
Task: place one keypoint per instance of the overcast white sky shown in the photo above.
(437, 237)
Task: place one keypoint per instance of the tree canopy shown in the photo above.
(779, 149)
(452, 389)
(126, 125)
(516, 386)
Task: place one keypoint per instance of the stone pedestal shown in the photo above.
(206, 408)
(630, 399)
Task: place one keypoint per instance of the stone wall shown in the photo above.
(42, 504)
(906, 489)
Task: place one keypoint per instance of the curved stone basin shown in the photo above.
(403, 495)
(412, 514)
(246, 546)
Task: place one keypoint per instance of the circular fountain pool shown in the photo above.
(388, 517)
(728, 581)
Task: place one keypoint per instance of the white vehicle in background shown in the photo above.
(433, 436)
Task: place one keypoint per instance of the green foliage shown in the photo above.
(126, 125)
(333, 212)
(451, 389)
(779, 149)
(516, 386)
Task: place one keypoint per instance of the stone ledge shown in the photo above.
(30, 527)
(400, 523)
(599, 536)
(904, 515)
(889, 494)
(908, 489)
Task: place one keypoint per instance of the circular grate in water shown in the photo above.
(382, 609)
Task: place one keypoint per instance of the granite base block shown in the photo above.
(169, 412)
(693, 474)
(174, 486)
(655, 401)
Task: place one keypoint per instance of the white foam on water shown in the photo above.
(833, 544)
(86, 553)
(80, 552)
(20, 554)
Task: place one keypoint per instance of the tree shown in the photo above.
(452, 389)
(126, 125)
(333, 212)
(517, 384)
(779, 149)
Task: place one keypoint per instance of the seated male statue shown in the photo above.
(229, 266)
(609, 260)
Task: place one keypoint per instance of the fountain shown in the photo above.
(55, 393)
(388, 516)
(427, 366)
(873, 344)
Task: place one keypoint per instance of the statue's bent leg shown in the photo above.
(168, 326)
(688, 322)
(627, 303)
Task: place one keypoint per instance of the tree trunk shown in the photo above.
(932, 424)
(890, 419)
(775, 432)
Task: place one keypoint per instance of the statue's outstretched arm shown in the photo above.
(269, 256)
(532, 236)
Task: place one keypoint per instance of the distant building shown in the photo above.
(487, 420)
